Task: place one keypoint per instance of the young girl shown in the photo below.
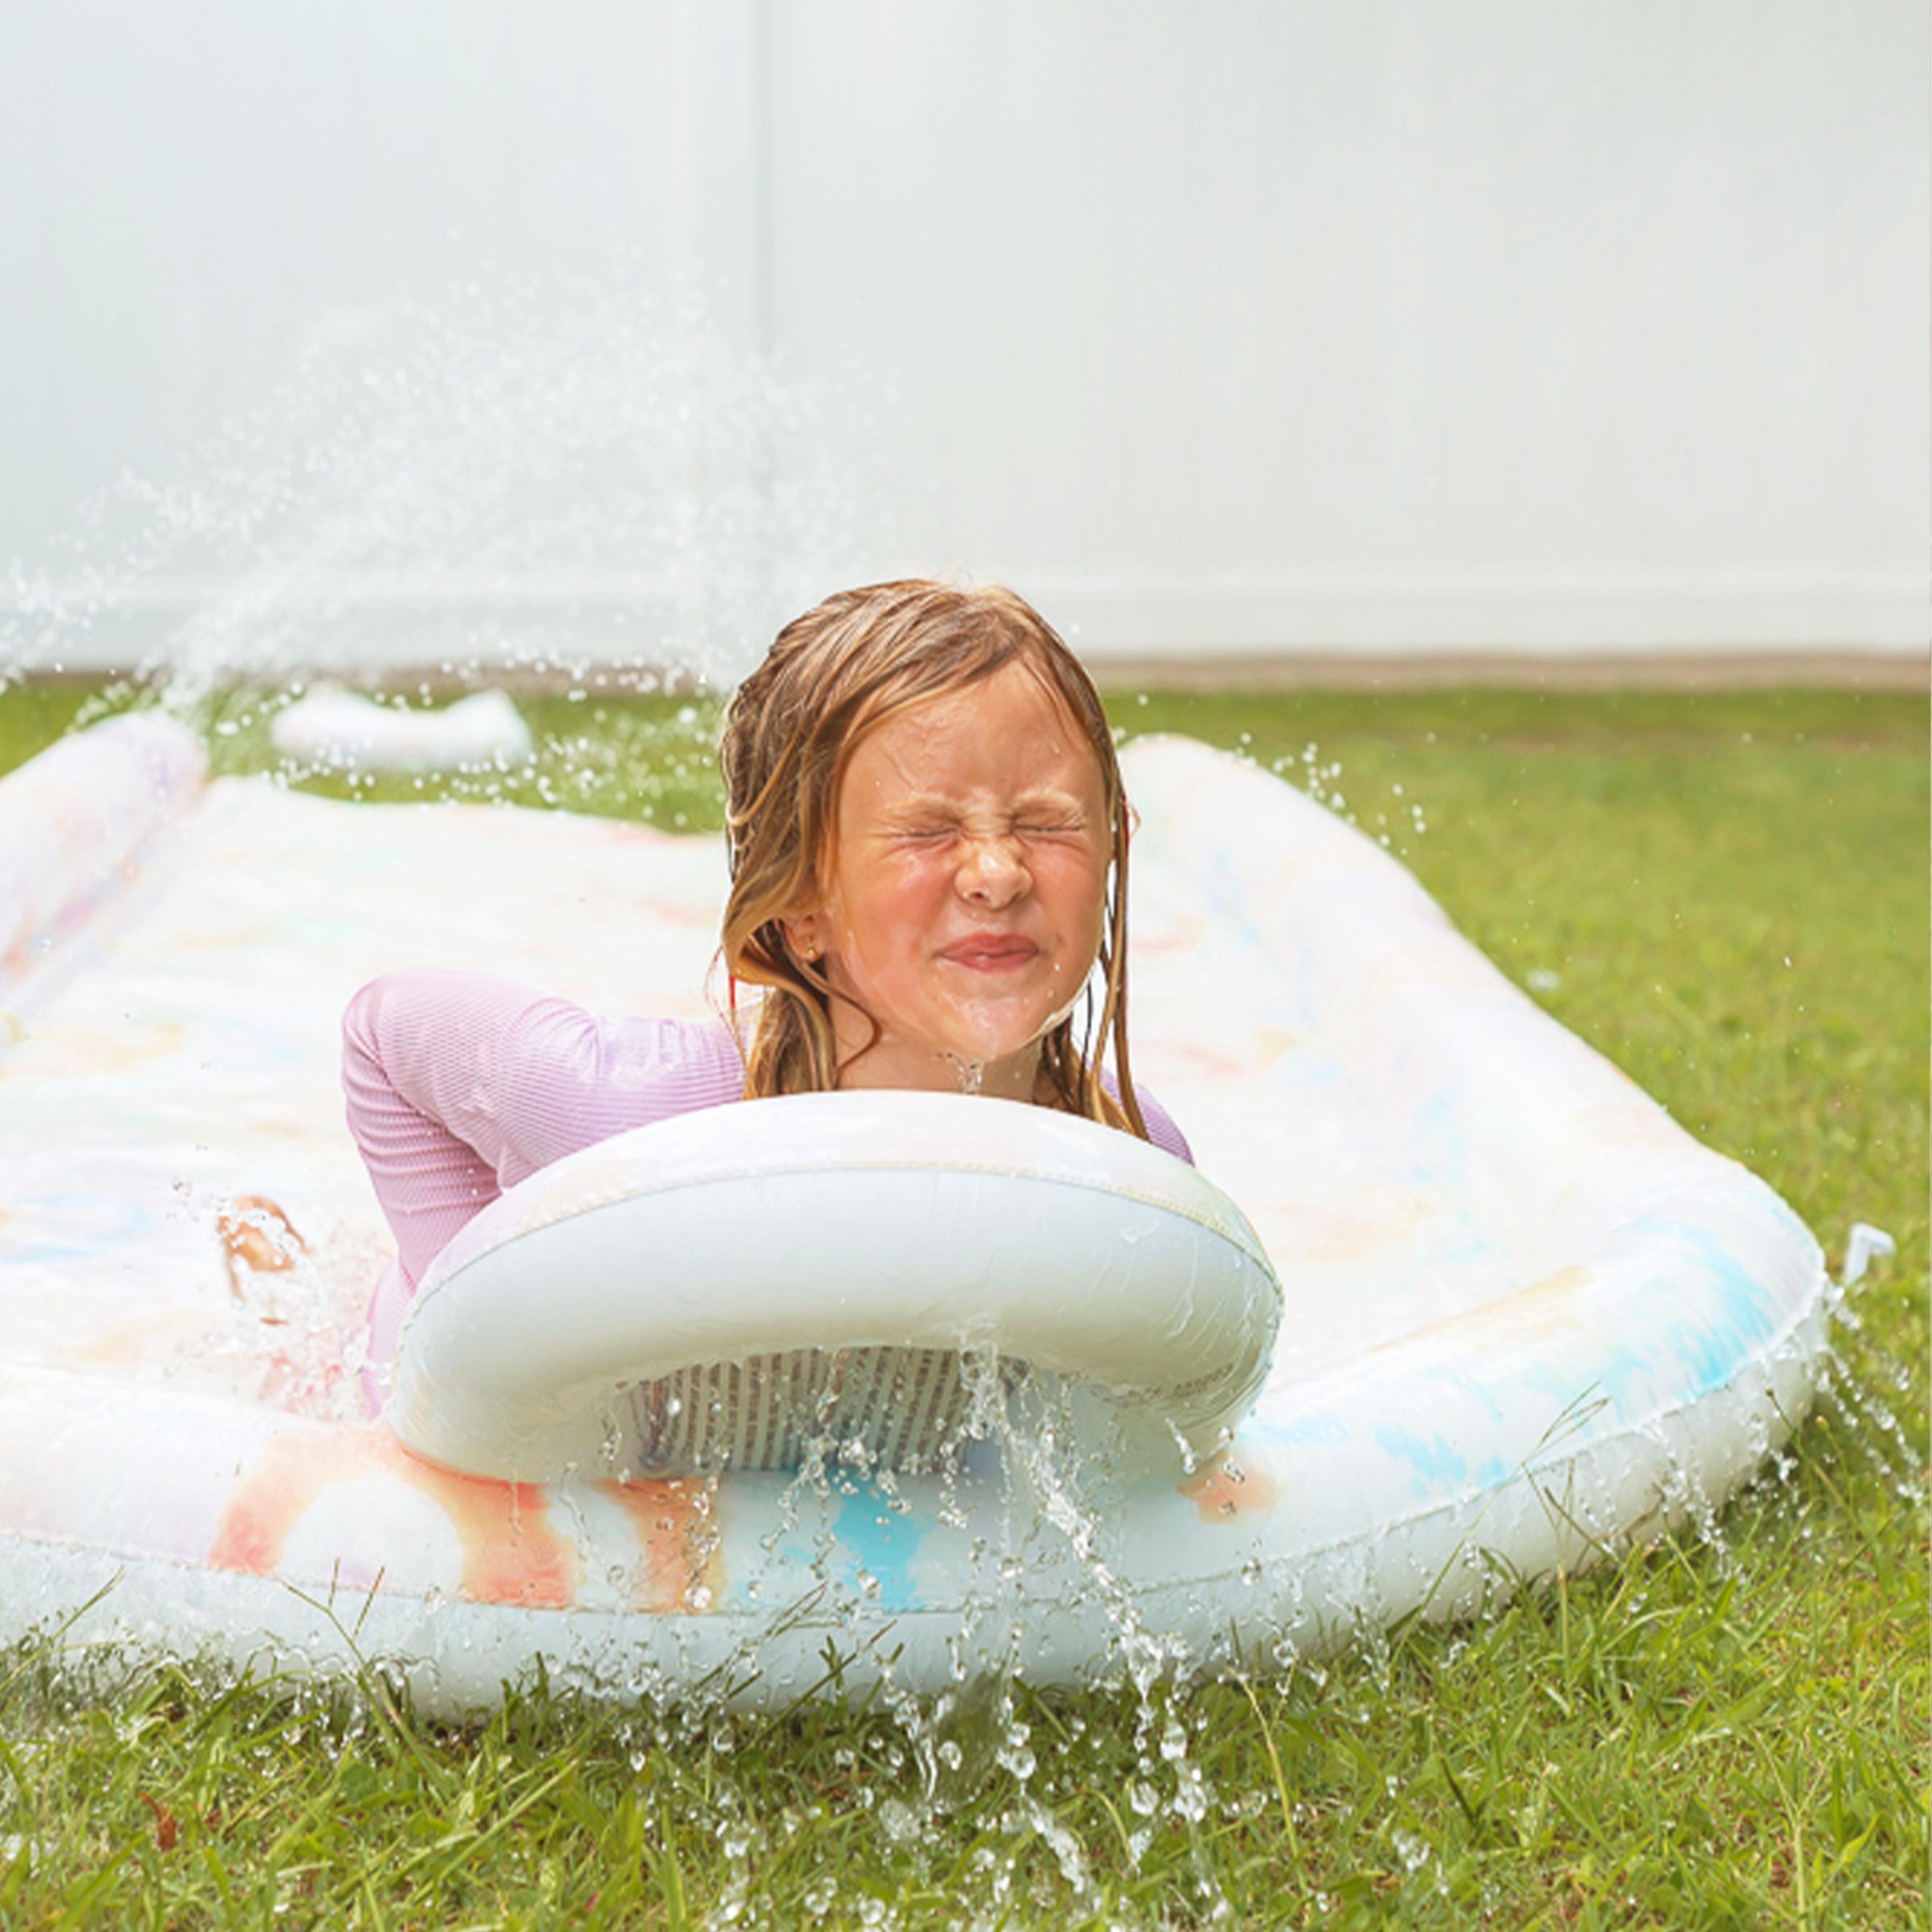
(928, 841)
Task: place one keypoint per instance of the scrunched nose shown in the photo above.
(993, 871)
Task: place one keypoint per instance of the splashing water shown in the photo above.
(537, 482)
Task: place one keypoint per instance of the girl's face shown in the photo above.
(962, 906)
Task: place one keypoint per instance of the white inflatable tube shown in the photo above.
(344, 731)
(923, 1224)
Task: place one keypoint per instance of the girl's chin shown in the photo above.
(1000, 1039)
(990, 1044)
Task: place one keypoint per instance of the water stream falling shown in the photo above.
(579, 492)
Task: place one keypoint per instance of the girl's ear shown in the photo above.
(801, 930)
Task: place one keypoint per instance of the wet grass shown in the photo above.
(1729, 895)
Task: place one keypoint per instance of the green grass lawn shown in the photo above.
(1726, 894)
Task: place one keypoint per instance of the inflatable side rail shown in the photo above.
(77, 824)
(1544, 1135)
(1524, 1318)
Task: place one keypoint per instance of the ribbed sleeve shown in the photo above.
(459, 1085)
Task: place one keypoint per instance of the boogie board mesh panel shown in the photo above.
(904, 1407)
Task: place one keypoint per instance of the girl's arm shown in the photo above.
(1160, 1126)
(1160, 1123)
(460, 1084)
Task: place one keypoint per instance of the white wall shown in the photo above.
(1272, 324)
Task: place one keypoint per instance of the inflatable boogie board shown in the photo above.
(1483, 1308)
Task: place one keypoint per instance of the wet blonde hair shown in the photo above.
(832, 676)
